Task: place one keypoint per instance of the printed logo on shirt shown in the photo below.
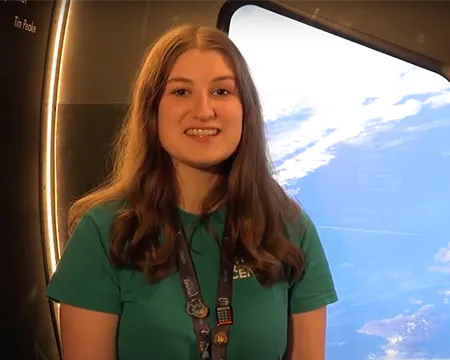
(240, 271)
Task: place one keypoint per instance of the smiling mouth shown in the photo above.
(202, 132)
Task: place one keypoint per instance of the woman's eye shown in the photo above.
(180, 92)
(222, 92)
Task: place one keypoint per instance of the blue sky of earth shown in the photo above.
(362, 141)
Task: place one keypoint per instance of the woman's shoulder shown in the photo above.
(85, 276)
(96, 222)
(104, 214)
(298, 226)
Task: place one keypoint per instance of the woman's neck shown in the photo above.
(194, 185)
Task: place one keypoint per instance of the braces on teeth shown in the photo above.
(201, 132)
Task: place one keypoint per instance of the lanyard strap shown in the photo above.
(195, 305)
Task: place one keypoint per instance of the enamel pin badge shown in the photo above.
(197, 309)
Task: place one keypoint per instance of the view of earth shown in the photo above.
(362, 141)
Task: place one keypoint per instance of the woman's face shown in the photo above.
(200, 113)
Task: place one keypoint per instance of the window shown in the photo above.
(362, 139)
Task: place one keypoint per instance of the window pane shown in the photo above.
(362, 140)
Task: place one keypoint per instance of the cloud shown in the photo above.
(341, 343)
(402, 356)
(342, 92)
(442, 259)
(443, 255)
(402, 333)
(446, 294)
(439, 100)
(399, 142)
(347, 265)
(372, 231)
(416, 302)
(428, 126)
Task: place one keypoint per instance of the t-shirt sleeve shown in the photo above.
(85, 276)
(316, 288)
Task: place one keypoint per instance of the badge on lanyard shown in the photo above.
(205, 355)
(224, 315)
(197, 309)
(224, 312)
(220, 338)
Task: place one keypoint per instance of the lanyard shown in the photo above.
(196, 308)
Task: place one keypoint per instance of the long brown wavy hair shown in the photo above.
(143, 175)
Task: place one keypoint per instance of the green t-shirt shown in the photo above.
(153, 322)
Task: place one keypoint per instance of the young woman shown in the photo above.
(191, 250)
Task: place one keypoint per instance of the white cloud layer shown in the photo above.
(401, 332)
(442, 260)
(348, 92)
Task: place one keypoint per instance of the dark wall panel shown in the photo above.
(86, 134)
(106, 40)
(26, 324)
(419, 26)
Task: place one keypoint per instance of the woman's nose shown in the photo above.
(203, 108)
